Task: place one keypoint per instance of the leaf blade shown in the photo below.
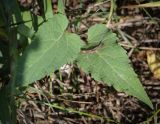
(110, 64)
(50, 49)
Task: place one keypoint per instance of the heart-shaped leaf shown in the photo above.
(108, 62)
(51, 48)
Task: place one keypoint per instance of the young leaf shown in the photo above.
(108, 62)
(48, 9)
(51, 48)
(61, 7)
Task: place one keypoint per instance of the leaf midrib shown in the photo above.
(45, 51)
(117, 73)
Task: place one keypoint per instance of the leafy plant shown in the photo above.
(109, 63)
(46, 46)
(50, 48)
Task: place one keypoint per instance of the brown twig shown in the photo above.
(142, 48)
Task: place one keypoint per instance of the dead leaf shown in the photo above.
(153, 59)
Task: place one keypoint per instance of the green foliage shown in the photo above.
(49, 50)
(61, 7)
(108, 62)
(46, 46)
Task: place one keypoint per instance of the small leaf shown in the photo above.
(61, 7)
(51, 48)
(93, 36)
(153, 59)
(109, 63)
(48, 9)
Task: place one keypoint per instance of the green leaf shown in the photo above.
(109, 63)
(61, 7)
(48, 9)
(97, 34)
(51, 48)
